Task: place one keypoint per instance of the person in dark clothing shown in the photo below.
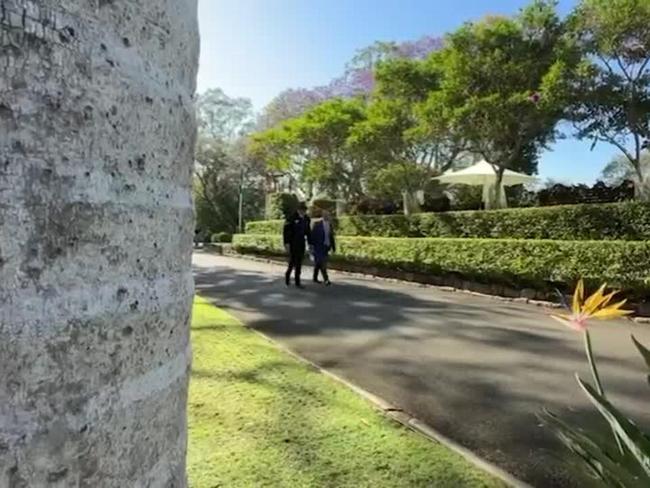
(322, 241)
(296, 234)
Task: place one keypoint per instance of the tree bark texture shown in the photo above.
(96, 223)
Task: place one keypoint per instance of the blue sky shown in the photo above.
(257, 48)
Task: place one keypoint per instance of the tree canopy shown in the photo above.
(493, 89)
(610, 91)
(228, 181)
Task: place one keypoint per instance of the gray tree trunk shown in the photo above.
(642, 184)
(410, 203)
(96, 225)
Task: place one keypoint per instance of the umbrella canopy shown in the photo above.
(483, 174)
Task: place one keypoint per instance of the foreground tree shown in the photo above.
(497, 90)
(96, 142)
(611, 89)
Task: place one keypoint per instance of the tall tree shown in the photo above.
(225, 173)
(228, 187)
(287, 105)
(222, 117)
(498, 76)
(96, 142)
(611, 89)
(314, 147)
(357, 80)
(403, 156)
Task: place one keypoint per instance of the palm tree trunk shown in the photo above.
(96, 228)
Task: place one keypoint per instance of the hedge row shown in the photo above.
(538, 264)
(617, 221)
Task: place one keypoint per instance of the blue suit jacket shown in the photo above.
(318, 240)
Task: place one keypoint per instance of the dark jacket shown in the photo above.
(296, 231)
(321, 249)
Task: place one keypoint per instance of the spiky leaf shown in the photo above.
(632, 437)
(609, 467)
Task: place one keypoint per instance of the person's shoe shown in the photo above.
(298, 285)
(316, 281)
(328, 283)
(287, 279)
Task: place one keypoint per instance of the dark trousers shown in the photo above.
(295, 262)
(321, 266)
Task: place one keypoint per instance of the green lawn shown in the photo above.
(258, 417)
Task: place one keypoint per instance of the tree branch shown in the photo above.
(627, 75)
(606, 63)
(620, 146)
(641, 69)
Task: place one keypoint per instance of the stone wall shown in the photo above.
(96, 223)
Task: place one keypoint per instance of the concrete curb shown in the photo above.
(449, 289)
(397, 414)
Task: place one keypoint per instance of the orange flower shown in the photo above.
(595, 306)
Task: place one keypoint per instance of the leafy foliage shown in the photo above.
(315, 147)
(225, 172)
(223, 118)
(622, 221)
(403, 155)
(540, 264)
(221, 237)
(281, 206)
(494, 78)
(610, 90)
(619, 458)
(619, 170)
(559, 194)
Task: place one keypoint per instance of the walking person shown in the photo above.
(323, 241)
(296, 235)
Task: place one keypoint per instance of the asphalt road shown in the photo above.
(474, 368)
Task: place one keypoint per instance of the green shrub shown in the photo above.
(539, 264)
(616, 221)
(221, 237)
(281, 205)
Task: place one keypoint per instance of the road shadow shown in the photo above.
(478, 371)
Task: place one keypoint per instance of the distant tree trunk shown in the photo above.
(240, 204)
(96, 227)
(410, 203)
(496, 198)
(642, 184)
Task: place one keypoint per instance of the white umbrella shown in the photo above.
(484, 174)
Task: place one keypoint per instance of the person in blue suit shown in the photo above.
(323, 241)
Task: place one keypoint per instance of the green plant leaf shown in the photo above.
(643, 350)
(599, 462)
(632, 437)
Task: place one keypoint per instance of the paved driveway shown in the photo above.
(475, 368)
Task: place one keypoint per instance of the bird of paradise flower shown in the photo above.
(629, 464)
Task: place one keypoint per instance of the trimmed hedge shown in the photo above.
(538, 264)
(617, 221)
(221, 237)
